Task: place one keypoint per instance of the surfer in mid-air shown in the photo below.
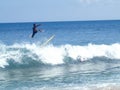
(35, 29)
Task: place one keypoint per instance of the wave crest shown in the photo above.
(26, 54)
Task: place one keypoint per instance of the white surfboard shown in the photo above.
(48, 40)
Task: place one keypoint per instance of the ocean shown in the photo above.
(83, 55)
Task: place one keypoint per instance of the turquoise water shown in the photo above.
(83, 55)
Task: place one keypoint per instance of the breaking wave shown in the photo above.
(35, 54)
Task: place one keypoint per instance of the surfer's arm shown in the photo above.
(38, 25)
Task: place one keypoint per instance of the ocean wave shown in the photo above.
(35, 54)
(105, 86)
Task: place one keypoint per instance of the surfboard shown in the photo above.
(48, 40)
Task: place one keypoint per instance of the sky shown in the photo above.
(58, 10)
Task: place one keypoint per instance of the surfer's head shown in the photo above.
(34, 24)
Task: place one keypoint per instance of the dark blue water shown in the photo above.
(78, 33)
(82, 55)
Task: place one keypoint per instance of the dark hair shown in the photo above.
(34, 24)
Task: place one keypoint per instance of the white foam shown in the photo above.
(107, 86)
(56, 54)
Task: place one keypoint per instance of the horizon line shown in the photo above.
(63, 21)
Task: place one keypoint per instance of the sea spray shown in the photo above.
(55, 55)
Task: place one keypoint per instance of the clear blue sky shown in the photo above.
(58, 10)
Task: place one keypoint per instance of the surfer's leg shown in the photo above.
(33, 35)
